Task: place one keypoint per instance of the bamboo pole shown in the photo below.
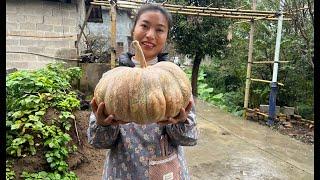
(197, 7)
(203, 10)
(266, 81)
(200, 12)
(121, 6)
(249, 65)
(269, 62)
(113, 29)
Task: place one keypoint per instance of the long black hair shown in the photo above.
(152, 7)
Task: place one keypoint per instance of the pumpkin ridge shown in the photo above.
(166, 93)
(164, 66)
(180, 80)
(156, 92)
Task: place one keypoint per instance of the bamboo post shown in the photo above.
(248, 80)
(113, 29)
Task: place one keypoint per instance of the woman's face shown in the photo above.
(151, 31)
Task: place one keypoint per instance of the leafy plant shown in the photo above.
(29, 95)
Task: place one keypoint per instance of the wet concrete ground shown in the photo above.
(230, 147)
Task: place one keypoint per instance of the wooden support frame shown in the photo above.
(199, 11)
(249, 65)
(248, 15)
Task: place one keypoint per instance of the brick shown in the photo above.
(50, 51)
(29, 42)
(13, 56)
(74, 29)
(265, 109)
(67, 53)
(68, 6)
(58, 29)
(27, 11)
(44, 27)
(36, 49)
(11, 26)
(29, 57)
(17, 48)
(34, 19)
(28, 26)
(12, 42)
(288, 110)
(60, 12)
(51, 20)
(61, 44)
(13, 18)
(69, 21)
(16, 64)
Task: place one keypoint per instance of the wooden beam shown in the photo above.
(83, 25)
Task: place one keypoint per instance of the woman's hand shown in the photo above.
(102, 118)
(181, 117)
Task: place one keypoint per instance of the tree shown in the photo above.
(199, 36)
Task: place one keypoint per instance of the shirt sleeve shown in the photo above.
(184, 134)
(102, 137)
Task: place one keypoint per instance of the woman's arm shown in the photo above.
(184, 133)
(102, 137)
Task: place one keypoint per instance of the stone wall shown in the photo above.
(29, 21)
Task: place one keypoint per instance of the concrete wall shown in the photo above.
(41, 18)
(124, 24)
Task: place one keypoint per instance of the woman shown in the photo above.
(132, 145)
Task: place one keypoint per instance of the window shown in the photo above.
(96, 13)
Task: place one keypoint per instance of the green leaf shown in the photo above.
(15, 126)
(49, 159)
(40, 113)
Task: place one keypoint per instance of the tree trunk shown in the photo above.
(195, 72)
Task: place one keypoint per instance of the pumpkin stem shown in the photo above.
(139, 54)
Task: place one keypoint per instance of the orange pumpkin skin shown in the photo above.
(144, 95)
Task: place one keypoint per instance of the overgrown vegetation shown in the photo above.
(226, 70)
(29, 95)
(228, 100)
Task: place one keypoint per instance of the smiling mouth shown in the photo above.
(148, 44)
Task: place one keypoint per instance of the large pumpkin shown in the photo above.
(144, 95)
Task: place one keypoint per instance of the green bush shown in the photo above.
(29, 95)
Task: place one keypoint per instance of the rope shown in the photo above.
(35, 36)
(66, 59)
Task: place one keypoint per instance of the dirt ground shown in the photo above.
(92, 165)
(88, 162)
